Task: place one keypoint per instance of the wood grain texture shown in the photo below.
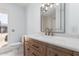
(33, 47)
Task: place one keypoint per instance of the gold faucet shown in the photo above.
(48, 31)
(51, 32)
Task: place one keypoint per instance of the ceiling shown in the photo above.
(22, 4)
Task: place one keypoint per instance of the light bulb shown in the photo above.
(51, 5)
(42, 5)
(46, 8)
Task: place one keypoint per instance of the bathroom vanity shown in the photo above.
(37, 45)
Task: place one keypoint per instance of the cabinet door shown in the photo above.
(55, 52)
(51, 52)
(38, 46)
(27, 50)
(33, 52)
(75, 53)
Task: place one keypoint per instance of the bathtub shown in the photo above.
(13, 49)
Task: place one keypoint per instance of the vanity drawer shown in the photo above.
(29, 51)
(27, 41)
(60, 49)
(75, 53)
(54, 52)
(38, 47)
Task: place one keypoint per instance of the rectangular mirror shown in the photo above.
(53, 17)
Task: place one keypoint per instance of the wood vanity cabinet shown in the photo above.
(75, 53)
(57, 52)
(34, 47)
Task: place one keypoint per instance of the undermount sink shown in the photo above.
(43, 36)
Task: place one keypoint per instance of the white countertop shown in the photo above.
(65, 42)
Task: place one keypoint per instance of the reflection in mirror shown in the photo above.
(52, 17)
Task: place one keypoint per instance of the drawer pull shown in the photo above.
(35, 46)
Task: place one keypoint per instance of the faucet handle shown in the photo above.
(47, 31)
(51, 31)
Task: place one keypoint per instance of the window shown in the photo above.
(3, 28)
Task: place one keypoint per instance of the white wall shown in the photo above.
(72, 18)
(33, 18)
(16, 21)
